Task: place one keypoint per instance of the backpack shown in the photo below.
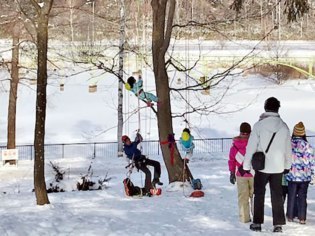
(130, 189)
(196, 184)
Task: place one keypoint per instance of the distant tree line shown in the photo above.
(91, 20)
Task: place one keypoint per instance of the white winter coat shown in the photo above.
(278, 157)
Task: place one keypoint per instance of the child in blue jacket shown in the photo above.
(141, 162)
(137, 88)
(187, 145)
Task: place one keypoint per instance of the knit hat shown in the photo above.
(299, 129)
(245, 128)
(272, 104)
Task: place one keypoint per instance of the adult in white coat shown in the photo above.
(277, 161)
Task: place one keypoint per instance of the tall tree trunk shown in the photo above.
(162, 29)
(39, 142)
(121, 75)
(13, 92)
(71, 21)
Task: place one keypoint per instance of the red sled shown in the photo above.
(156, 191)
(197, 193)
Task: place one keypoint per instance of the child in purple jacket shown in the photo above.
(244, 180)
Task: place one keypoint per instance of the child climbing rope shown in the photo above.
(136, 87)
(141, 162)
(187, 145)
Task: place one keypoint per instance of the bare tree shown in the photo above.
(163, 14)
(38, 12)
(13, 89)
(12, 26)
(121, 74)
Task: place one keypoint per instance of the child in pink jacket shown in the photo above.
(244, 180)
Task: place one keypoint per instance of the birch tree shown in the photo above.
(120, 76)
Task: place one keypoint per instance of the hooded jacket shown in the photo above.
(236, 155)
(303, 162)
(278, 157)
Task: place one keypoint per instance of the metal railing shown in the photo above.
(109, 149)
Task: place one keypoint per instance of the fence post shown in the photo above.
(63, 150)
(222, 144)
(94, 151)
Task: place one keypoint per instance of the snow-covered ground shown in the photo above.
(110, 212)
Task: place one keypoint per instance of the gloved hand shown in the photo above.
(232, 178)
(139, 138)
(241, 170)
(286, 171)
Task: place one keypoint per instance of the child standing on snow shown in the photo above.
(300, 175)
(187, 145)
(244, 180)
(137, 88)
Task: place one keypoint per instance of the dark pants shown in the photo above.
(284, 192)
(297, 195)
(142, 165)
(275, 184)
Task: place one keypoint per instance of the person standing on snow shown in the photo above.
(141, 162)
(301, 173)
(244, 180)
(277, 161)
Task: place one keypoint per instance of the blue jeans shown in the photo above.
(297, 195)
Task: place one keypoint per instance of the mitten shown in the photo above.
(232, 178)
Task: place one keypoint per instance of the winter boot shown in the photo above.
(302, 222)
(156, 182)
(255, 227)
(146, 193)
(277, 229)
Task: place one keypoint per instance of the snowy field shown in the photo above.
(110, 212)
(75, 115)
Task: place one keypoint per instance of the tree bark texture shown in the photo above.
(13, 92)
(163, 14)
(121, 75)
(41, 99)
